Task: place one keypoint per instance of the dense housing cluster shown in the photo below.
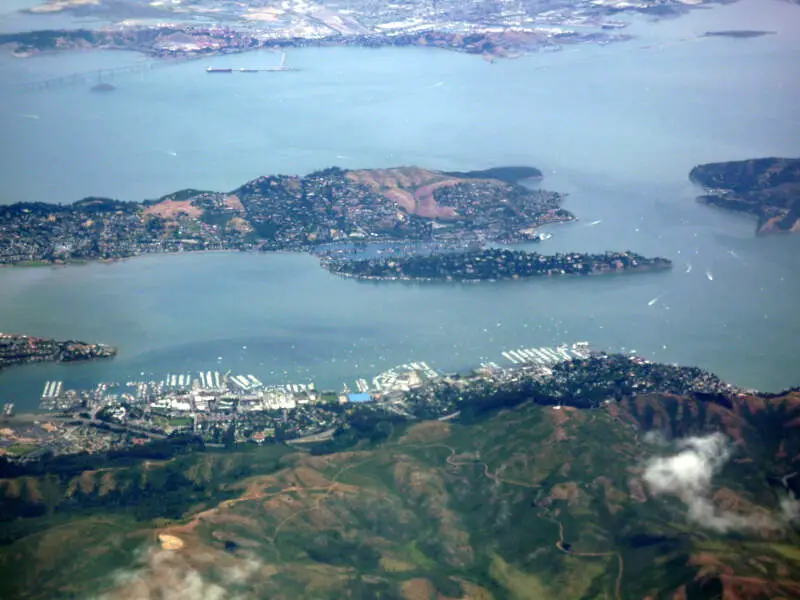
(493, 264)
(496, 28)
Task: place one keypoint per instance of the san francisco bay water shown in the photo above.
(617, 128)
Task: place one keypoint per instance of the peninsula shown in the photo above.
(768, 188)
(282, 212)
(20, 349)
(492, 265)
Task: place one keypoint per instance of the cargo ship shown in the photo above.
(218, 70)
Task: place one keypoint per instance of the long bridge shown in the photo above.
(103, 75)
(99, 75)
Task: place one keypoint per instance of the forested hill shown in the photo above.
(766, 187)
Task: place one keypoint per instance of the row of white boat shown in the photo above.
(546, 356)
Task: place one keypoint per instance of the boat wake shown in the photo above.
(710, 275)
(688, 267)
(654, 301)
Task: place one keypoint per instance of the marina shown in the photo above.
(544, 356)
(52, 389)
(245, 392)
(180, 390)
(403, 377)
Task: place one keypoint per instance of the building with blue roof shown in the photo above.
(359, 397)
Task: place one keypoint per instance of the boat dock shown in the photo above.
(52, 389)
(401, 378)
(272, 68)
(546, 356)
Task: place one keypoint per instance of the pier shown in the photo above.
(545, 357)
(271, 68)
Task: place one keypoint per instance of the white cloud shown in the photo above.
(655, 438)
(688, 474)
(170, 575)
(790, 507)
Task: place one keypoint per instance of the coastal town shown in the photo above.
(223, 409)
(281, 212)
(206, 27)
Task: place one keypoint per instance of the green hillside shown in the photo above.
(527, 502)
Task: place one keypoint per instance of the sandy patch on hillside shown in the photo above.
(234, 203)
(565, 491)
(418, 589)
(411, 187)
(169, 209)
(426, 203)
(170, 542)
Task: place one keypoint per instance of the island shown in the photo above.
(18, 349)
(768, 188)
(738, 33)
(283, 212)
(493, 265)
(103, 87)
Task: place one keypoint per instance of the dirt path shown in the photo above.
(327, 492)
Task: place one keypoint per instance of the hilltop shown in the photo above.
(768, 188)
(519, 500)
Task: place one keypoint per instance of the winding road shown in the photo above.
(545, 514)
(450, 460)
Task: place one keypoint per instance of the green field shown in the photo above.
(21, 449)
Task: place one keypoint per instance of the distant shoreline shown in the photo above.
(35, 264)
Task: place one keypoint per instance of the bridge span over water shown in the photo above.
(99, 76)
